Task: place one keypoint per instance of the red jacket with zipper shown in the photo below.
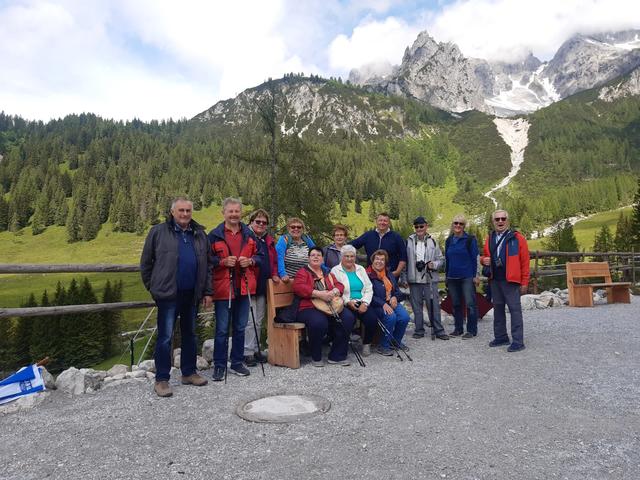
(221, 276)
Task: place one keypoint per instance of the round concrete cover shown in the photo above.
(283, 408)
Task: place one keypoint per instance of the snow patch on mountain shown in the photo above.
(514, 132)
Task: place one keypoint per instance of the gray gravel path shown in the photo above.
(567, 407)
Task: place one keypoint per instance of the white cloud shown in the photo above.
(508, 30)
(372, 42)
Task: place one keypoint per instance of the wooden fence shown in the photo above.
(625, 262)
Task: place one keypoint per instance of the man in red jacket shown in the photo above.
(235, 252)
(507, 254)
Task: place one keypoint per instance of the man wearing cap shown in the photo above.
(507, 254)
(424, 259)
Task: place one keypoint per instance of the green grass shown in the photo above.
(585, 230)
(125, 357)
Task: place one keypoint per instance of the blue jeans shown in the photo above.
(168, 311)
(396, 324)
(238, 315)
(369, 319)
(460, 288)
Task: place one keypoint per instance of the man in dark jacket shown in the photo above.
(176, 269)
(258, 222)
(382, 237)
(235, 253)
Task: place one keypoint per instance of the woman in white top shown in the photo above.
(357, 294)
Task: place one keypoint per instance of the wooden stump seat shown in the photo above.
(581, 294)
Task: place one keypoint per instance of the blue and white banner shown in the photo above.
(25, 381)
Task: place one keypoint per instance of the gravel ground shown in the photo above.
(567, 407)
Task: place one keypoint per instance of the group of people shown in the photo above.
(184, 267)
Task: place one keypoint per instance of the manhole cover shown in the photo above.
(283, 408)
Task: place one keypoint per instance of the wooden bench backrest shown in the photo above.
(587, 270)
(278, 295)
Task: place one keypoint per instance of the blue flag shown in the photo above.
(25, 381)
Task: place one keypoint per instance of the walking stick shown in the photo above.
(229, 319)
(432, 313)
(394, 343)
(253, 317)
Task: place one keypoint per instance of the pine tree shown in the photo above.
(89, 329)
(111, 320)
(623, 240)
(4, 214)
(603, 241)
(61, 208)
(634, 230)
(74, 222)
(44, 334)
(22, 335)
(91, 221)
(6, 347)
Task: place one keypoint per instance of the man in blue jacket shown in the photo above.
(382, 237)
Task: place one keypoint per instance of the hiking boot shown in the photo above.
(162, 389)
(455, 334)
(218, 374)
(240, 370)
(499, 343)
(366, 350)
(250, 361)
(344, 363)
(404, 347)
(443, 336)
(467, 336)
(386, 352)
(417, 335)
(515, 347)
(259, 357)
(317, 363)
(194, 379)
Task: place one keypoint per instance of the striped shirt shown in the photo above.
(296, 257)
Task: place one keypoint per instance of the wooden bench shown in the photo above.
(581, 294)
(284, 338)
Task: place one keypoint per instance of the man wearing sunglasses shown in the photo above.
(507, 254)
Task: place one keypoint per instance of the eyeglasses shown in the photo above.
(500, 219)
(260, 222)
(184, 210)
(419, 226)
(459, 223)
(295, 227)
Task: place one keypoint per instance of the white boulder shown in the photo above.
(117, 369)
(148, 366)
(201, 363)
(207, 350)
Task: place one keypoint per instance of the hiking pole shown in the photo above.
(432, 313)
(385, 331)
(253, 318)
(394, 343)
(355, 351)
(229, 319)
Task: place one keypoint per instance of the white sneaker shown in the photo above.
(344, 363)
(366, 350)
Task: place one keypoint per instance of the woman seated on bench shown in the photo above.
(310, 284)
(386, 302)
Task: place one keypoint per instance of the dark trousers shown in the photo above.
(318, 324)
(460, 288)
(368, 319)
(168, 312)
(507, 293)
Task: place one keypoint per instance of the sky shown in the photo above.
(160, 59)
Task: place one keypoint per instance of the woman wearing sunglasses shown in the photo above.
(293, 249)
(461, 255)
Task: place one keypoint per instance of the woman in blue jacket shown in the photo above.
(461, 255)
(386, 302)
(293, 249)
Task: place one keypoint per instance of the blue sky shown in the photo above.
(161, 58)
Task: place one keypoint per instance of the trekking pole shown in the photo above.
(385, 331)
(355, 351)
(253, 318)
(229, 319)
(432, 313)
(394, 343)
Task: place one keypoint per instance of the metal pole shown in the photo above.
(131, 348)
